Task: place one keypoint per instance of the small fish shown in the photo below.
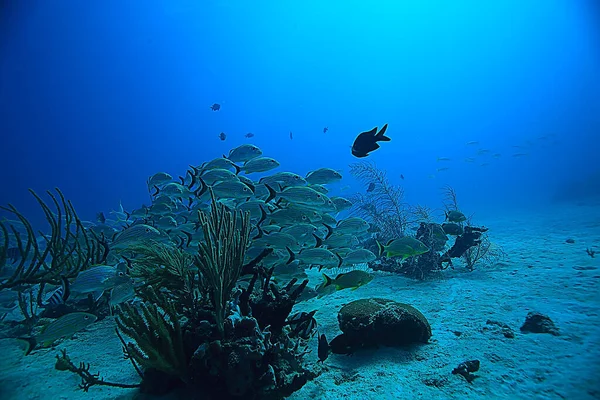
(349, 280)
(98, 279)
(455, 216)
(249, 135)
(366, 142)
(483, 152)
(215, 107)
(442, 169)
(469, 159)
(443, 159)
(341, 203)
(325, 129)
(122, 293)
(401, 176)
(497, 155)
(323, 349)
(222, 136)
(100, 217)
(58, 296)
(291, 135)
(404, 247)
(352, 225)
(371, 187)
(260, 164)
(359, 256)
(159, 179)
(520, 155)
(472, 143)
(452, 228)
(65, 326)
(243, 153)
(323, 176)
(303, 324)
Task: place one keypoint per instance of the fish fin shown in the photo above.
(292, 255)
(328, 281)
(30, 343)
(372, 132)
(381, 134)
(263, 215)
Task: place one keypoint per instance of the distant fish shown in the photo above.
(291, 135)
(65, 326)
(443, 169)
(520, 155)
(497, 155)
(215, 107)
(482, 152)
(401, 176)
(472, 143)
(249, 135)
(325, 129)
(222, 136)
(371, 187)
(443, 159)
(366, 142)
(100, 217)
(469, 159)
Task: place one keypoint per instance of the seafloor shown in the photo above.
(540, 273)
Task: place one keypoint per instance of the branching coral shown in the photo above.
(221, 256)
(69, 248)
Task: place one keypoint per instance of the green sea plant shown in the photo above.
(68, 249)
(157, 332)
(221, 255)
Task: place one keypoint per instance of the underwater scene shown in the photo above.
(229, 199)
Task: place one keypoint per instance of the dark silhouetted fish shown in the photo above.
(249, 135)
(366, 142)
(215, 107)
(291, 135)
(222, 136)
(325, 129)
(371, 187)
(323, 349)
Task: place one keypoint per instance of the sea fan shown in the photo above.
(383, 204)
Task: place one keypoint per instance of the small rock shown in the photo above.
(466, 368)
(539, 323)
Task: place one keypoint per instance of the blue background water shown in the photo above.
(97, 96)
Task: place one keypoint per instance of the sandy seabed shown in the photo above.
(540, 273)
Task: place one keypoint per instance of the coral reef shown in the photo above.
(374, 321)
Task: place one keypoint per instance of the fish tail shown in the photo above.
(381, 134)
(328, 281)
(380, 248)
(292, 256)
(30, 343)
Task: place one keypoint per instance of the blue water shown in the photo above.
(97, 96)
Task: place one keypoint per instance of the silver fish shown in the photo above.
(65, 326)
